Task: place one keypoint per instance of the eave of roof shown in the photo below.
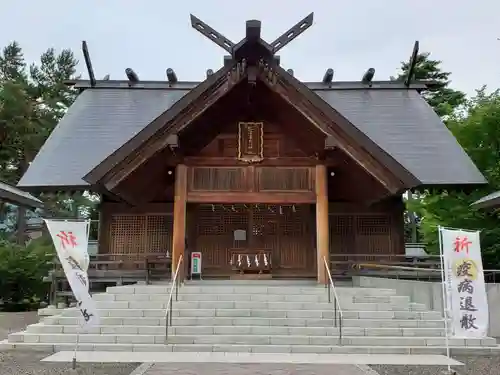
(105, 117)
(183, 85)
(490, 201)
(18, 197)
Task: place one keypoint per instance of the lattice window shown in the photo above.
(159, 233)
(136, 234)
(284, 179)
(342, 235)
(376, 225)
(216, 219)
(218, 179)
(295, 220)
(374, 235)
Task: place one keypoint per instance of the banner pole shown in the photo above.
(445, 299)
(73, 366)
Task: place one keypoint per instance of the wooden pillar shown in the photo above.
(179, 230)
(322, 230)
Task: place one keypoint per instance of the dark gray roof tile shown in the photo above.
(99, 122)
(398, 120)
(406, 127)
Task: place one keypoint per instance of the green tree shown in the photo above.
(440, 96)
(478, 132)
(443, 100)
(32, 101)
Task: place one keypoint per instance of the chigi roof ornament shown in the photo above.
(252, 47)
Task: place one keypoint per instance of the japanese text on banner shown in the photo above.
(71, 243)
(466, 287)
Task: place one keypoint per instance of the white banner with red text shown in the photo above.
(464, 282)
(71, 240)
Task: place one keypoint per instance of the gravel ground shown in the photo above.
(28, 363)
(473, 366)
(253, 369)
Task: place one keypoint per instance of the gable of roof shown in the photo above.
(208, 91)
(13, 195)
(398, 120)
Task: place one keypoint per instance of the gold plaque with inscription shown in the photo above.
(251, 141)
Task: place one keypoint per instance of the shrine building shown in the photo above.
(251, 164)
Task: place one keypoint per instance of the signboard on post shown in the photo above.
(71, 241)
(464, 280)
(196, 263)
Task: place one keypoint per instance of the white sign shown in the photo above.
(71, 241)
(465, 287)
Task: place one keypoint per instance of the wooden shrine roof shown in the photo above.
(13, 195)
(105, 117)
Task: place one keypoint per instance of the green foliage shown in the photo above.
(443, 99)
(32, 100)
(445, 102)
(22, 270)
(477, 130)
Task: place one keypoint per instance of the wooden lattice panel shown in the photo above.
(342, 234)
(140, 234)
(215, 226)
(265, 228)
(284, 231)
(374, 234)
(355, 235)
(159, 233)
(285, 179)
(296, 238)
(216, 179)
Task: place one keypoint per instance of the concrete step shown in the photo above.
(455, 350)
(260, 313)
(240, 339)
(249, 289)
(273, 322)
(236, 330)
(256, 305)
(233, 297)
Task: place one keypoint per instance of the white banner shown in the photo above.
(71, 242)
(465, 287)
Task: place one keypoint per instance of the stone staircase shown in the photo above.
(252, 316)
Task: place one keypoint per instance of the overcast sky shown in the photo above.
(348, 35)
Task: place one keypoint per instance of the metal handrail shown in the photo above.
(175, 286)
(336, 302)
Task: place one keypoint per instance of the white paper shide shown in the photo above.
(71, 243)
(465, 287)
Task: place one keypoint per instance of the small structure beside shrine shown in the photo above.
(15, 196)
(490, 201)
(256, 170)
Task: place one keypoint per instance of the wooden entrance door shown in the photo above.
(285, 231)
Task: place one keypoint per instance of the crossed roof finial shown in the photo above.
(260, 48)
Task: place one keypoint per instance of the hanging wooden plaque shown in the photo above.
(251, 141)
